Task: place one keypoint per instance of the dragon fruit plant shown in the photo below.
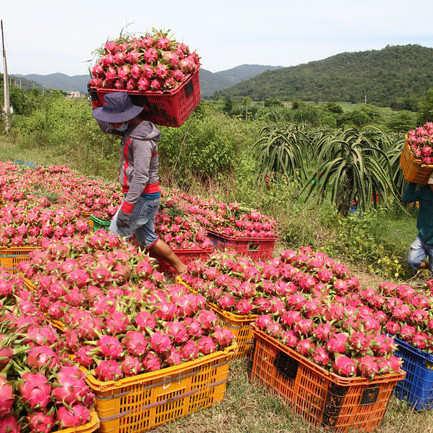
(40, 389)
(420, 141)
(153, 62)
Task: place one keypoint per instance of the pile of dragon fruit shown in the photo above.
(40, 389)
(309, 302)
(230, 219)
(420, 141)
(154, 62)
(60, 186)
(120, 316)
(178, 230)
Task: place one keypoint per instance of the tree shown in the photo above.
(425, 113)
(352, 166)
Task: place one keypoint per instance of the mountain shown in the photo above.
(381, 76)
(60, 81)
(209, 82)
(22, 83)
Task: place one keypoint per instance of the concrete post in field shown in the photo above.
(6, 104)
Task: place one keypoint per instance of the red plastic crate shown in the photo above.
(185, 256)
(328, 401)
(168, 107)
(256, 248)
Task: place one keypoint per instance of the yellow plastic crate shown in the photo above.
(142, 402)
(413, 169)
(89, 427)
(10, 257)
(238, 324)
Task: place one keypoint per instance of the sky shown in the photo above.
(49, 36)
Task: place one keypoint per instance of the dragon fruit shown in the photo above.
(151, 362)
(108, 370)
(222, 336)
(344, 366)
(131, 366)
(35, 390)
(136, 343)
(40, 422)
(189, 351)
(42, 356)
(368, 367)
(337, 343)
(110, 347)
(160, 342)
(10, 424)
(74, 416)
(206, 345)
(321, 356)
(177, 331)
(71, 387)
(6, 396)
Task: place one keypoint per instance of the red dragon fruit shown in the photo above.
(337, 343)
(6, 396)
(207, 319)
(177, 331)
(305, 347)
(10, 424)
(222, 336)
(160, 342)
(321, 356)
(344, 366)
(206, 345)
(39, 422)
(151, 362)
(131, 366)
(74, 416)
(42, 356)
(35, 390)
(189, 351)
(71, 387)
(110, 347)
(144, 319)
(136, 343)
(108, 370)
(117, 323)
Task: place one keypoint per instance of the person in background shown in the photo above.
(138, 173)
(422, 246)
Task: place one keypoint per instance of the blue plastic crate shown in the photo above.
(417, 387)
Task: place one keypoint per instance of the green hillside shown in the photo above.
(395, 75)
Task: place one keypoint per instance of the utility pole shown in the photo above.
(6, 105)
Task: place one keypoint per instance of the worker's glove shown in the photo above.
(123, 222)
(93, 97)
